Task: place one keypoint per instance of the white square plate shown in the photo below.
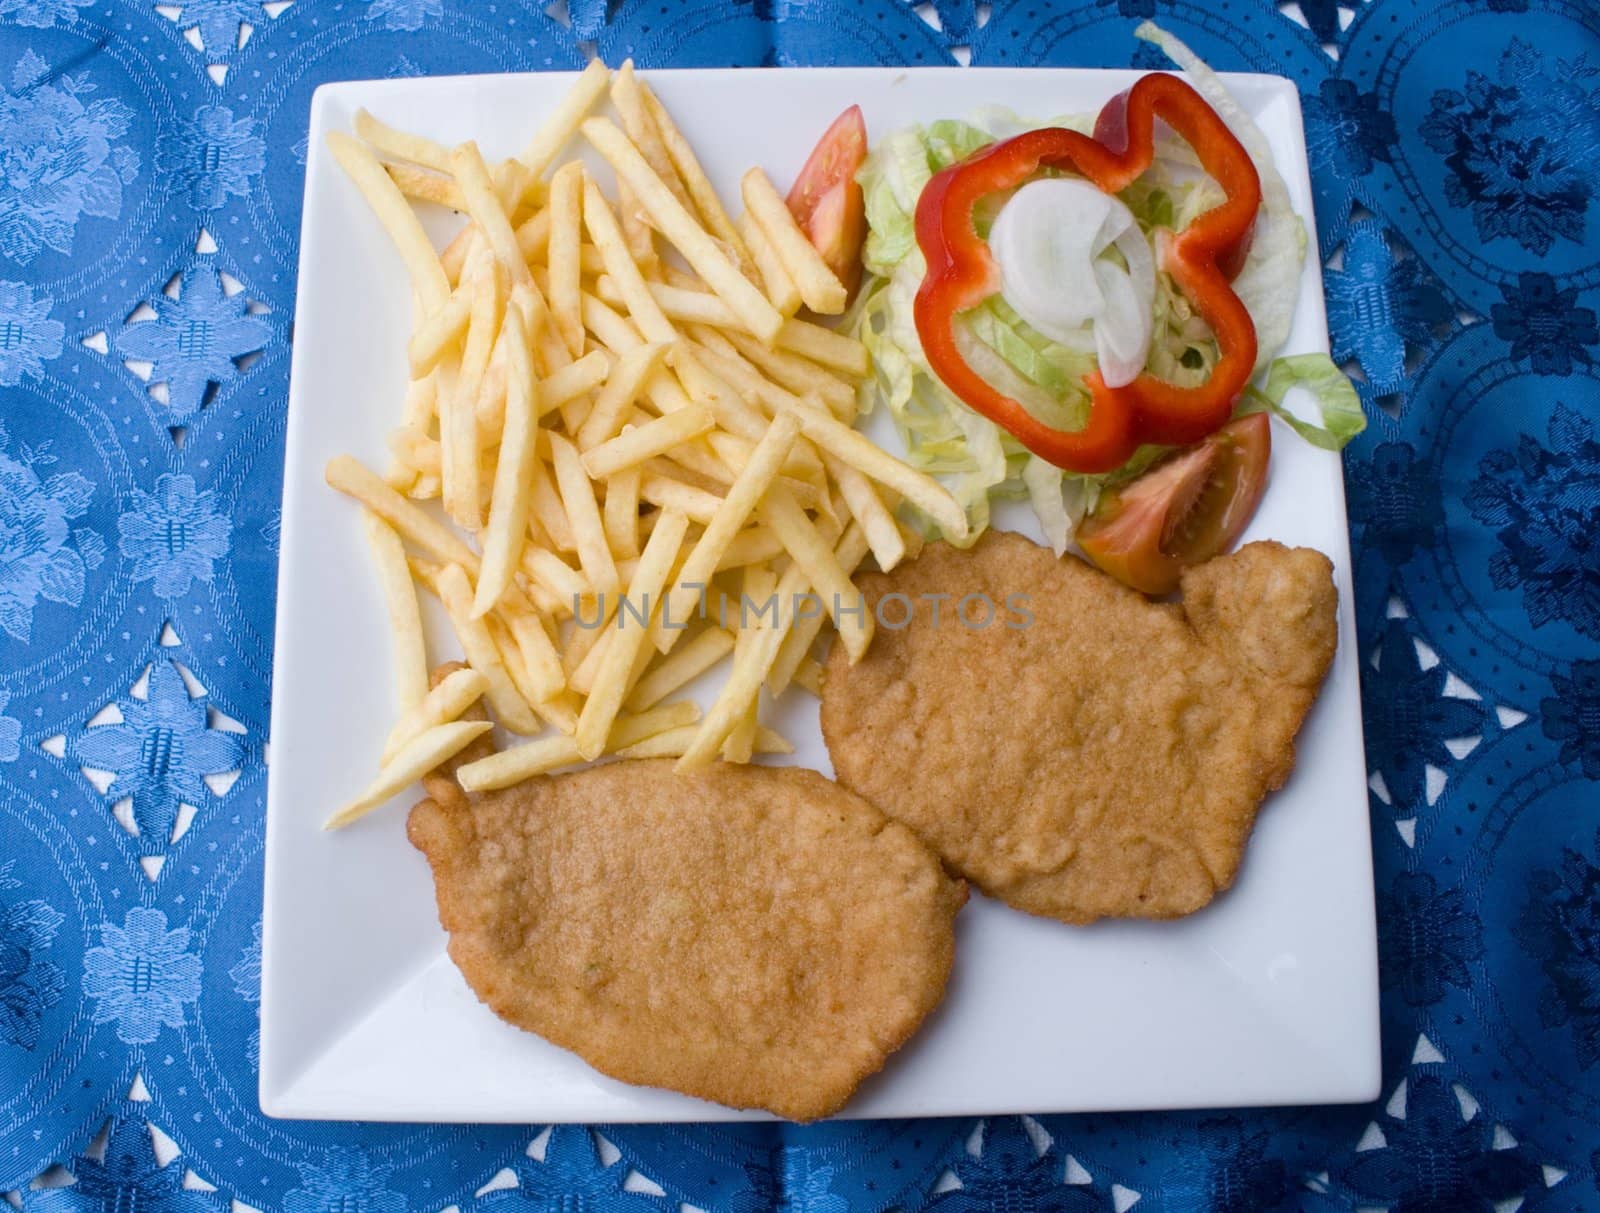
(1268, 997)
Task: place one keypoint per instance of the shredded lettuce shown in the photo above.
(892, 179)
(977, 460)
(1340, 407)
(1269, 283)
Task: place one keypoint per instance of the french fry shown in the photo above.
(795, 373)
(452, 402)
(623, 386)
(454, 258)
(712, 347)
(552, 515)
(675, 742)
(759, 583)
(698, 458)
(866, 507)
(559, 711)
(482, 654)
(751, 660)
(837, 351)
(549, 753)
(518, 467)
(741, 743)
(859, 451)
(401, 144)
(671, 494)
(533, 239)
(462, 491)
(682, 230)
(486, 209)
(457, 691)
(661, 465)
(520, 762)
(610, 683)
(815, 558)
(554, 574)
(728, 365)
(566, 209)
(577, 496)
(635, 445)
(775, 279)
(562, 122)
(521, 191)
(797, 644)
(628, 98)
(613, 331)
(562, 712)
(673, 302)
(753, 545)
(808, 676)
(741, 500)
(733, 413)
(619, 336)
(586, 633)
(562, 387)
(426, 573)
(405, 620)
(621, 271)
(541, 673)
(819, 287)
(582, 677)
(487, 316)
(439, 334)
(543, 600)
(414, 450)
(637, 231)
(420, 185)
(396, 216)
(349, 477)
(414, 760)
(686, 663)
(620, 513)
(420, 403)
(701, 192)
(550, 352)
(575, 380)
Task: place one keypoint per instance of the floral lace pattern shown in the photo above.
(63, 159)
(43, 558)
(151, 162)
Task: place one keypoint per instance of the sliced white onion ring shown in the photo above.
(1048, 241)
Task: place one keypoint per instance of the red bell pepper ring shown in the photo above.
(1202, 259)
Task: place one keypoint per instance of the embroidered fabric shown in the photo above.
(151, 164)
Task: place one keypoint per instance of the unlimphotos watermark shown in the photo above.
(894, 612)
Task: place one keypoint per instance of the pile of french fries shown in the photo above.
(631, 436)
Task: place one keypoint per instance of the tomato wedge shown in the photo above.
(826, 201)
(1186, 509)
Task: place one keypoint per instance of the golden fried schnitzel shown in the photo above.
(1106, 760)
(756, 936)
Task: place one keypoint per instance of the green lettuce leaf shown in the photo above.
(1337, 402)
(1269, 283)
(892, 178)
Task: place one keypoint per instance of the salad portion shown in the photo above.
(1085, 312)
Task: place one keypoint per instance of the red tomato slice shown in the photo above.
(1186, 509)
(827, 202)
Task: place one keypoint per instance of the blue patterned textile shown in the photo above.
(151, 163)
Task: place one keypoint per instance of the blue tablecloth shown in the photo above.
(151, 159)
